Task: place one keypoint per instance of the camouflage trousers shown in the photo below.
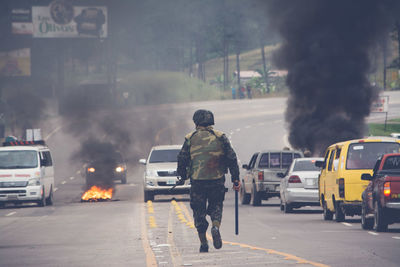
(207, 197)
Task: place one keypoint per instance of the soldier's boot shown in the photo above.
(217, 241)
(204, 243)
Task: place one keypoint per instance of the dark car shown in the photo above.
(381, 198)
(103, 171)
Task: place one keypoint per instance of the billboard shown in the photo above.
(15, 63)
(63, 20)
(21, 21)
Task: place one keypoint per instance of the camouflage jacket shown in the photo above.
(207, 155)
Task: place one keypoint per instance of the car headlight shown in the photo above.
(119, 169)
(151, 173)
(91, 169)
(33, 182)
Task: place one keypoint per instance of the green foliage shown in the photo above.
(378, 129)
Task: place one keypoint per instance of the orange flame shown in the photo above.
(97, 193)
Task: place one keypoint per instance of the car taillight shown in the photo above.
(341, 187)
(386, 189)
(91, 169)
(260, 175)
(294, 179)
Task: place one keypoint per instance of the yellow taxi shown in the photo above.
(340, 184)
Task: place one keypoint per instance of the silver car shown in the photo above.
(299, 185)
(160, 175)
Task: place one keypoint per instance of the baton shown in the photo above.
(236, 210)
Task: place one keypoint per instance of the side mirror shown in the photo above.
(142, 161)
(319, 163)
(280, 175)
(245, 166)
(366, 176)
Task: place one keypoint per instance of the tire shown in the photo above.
(50, 200)
(328, 215)
(255, 197)
(281, 206)
(244, 197)
(339, 215)
(380, 222)
(287, 208)
(42, 201)
(366, 223)
(148, 195)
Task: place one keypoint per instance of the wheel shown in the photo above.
(328, 215)
(244, 197)
(49, 200)
(123, 180)
(148, 195)
(255, 197)
(366, 223)
(42, 201)
(287, 208)
(339, 215)
(281, 206)
(380, 222)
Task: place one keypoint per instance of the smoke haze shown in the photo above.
(325, 48)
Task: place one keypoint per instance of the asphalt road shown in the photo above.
(128, 232)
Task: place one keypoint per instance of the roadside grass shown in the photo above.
(378, 129)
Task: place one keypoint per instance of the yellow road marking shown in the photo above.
(286, 256)
(150, 258)
(173, 250)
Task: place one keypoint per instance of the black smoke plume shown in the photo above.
(325, 48)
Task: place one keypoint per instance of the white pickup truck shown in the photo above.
(260, 180)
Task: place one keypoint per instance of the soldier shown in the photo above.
(204, 158)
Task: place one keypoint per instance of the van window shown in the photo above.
(331, 160)
(47, 157)
(364, 155)
(326, 159)
(336, 161)
(264, 161)
(22, 159)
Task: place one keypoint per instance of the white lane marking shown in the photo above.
(63, 182)
(373, 233)
(238, 130)
(52, 132)
(231, 132)
(42, 217)
(396, 237)
(132, 185)
(230, 137)
(347, 224)
(277, 121)
(247, 126)
(55, 189)
(72, 178)
(11, 213)
(261, 123)
(78, 171)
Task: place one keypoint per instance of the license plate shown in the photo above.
(12, 197)
(277, 188)
(310, 182)
(171, 182)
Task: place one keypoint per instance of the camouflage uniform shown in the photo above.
(205, 157)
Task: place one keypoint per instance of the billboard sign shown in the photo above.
(21, 21)
(381, 105)
(63, 20)
(15, 63)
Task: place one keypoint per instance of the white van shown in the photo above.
(26, 173)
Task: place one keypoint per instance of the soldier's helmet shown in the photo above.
(203, 117)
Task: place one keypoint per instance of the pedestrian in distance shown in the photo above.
(248, 88)
(205, 158)
(233, 92)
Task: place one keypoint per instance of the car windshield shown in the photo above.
(165, 155)
(305, 165)
(18, 159)
(277, 160)
(365, 155)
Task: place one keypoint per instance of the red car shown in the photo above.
(381, 198)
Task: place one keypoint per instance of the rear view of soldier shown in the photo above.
(204, 158)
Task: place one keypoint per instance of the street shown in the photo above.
(128, 232)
